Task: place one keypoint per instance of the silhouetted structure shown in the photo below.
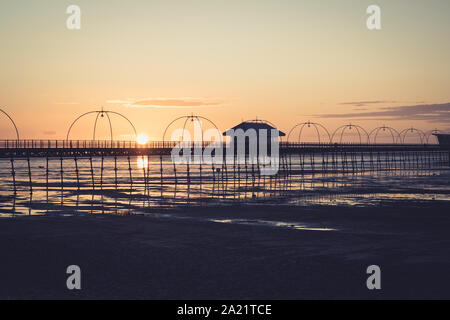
(444, 139)
(260, 129)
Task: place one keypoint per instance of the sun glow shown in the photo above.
(142, 163)
(142, 139)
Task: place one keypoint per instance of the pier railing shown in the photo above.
(108, 144)
(82, 144)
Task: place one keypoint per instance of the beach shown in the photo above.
(231, 252)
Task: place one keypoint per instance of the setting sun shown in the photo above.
(142, 138)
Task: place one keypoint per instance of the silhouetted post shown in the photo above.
(144, 175)
(131, 181)
(258, 170)
(101, 185)
(333, 160)
(148, 179)
(76, 172)
(200, 171)
(115, 173)
(92, 174)
(323, 162)
(246, 174)
(130, 170)
(290, 163)
(239, 172)
(234, 176)
(29, 175)
(47, 171)
(344, 161)
(161, 170)
(302, 162)
(403, 160)
(353, 159)
(362, 161)
(253, 180)
(224, 171)
(13, 174)
(101, 175)
(61, 172)
(175, 171)
(188, 170)
(213, 169)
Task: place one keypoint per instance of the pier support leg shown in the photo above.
(13, 174)
(29, 175)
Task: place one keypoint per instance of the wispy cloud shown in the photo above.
(365, 103)
(438, 113)
(169, 103)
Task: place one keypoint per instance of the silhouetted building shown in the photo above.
(253, 131)
(444, 139)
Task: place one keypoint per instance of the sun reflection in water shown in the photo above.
(142, 162)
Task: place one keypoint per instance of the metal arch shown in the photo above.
(95, 126)
(187, 118)
(350, 126)
(404, 133)
(261, 121)
(70, 128)
(101, 112)
(201, 128)
(121, 115)
(384, 128)
(266, 122)
(168, 126)
(110, 126)
(301, 130)
(13, 123)
(184, 128)
(316, 126)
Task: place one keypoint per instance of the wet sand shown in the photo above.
(231, 253)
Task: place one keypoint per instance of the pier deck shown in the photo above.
(71, 148)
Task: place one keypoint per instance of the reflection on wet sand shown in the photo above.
(124, 185)
(276, 224)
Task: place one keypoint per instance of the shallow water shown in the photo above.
(141, 184)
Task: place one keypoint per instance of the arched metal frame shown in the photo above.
(309, 124)
(261, 121)
(429, 133)
(404, 133)
(264, 121)
(359, 129)
(95, 125)
(187, 118)
(391, 130)
(101, 113)
(13, 123)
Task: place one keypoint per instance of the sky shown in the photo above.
(286, 61)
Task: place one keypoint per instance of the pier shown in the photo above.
(145, 171)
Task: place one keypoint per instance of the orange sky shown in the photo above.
(284, 61)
